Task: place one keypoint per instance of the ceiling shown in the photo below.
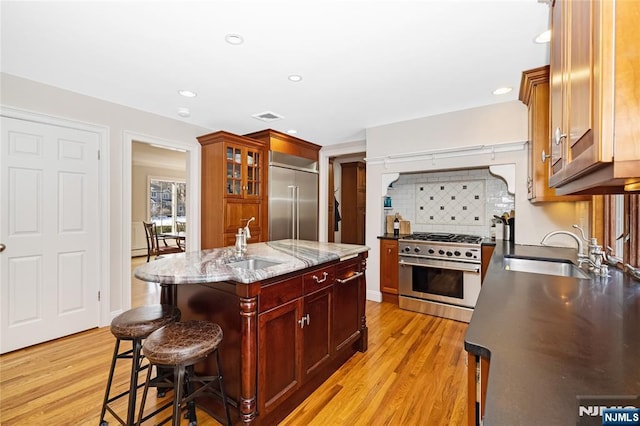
(363, 63)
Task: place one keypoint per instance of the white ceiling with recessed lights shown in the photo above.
(362, 63)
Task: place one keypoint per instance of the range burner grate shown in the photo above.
(444, 237)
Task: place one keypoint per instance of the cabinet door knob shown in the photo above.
(544, 156)
(2, 247)
(558, 136)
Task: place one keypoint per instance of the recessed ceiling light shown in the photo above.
(184, 112)
(234, 39)
(295, 78)
(502, 90)
(292, 131)
(187, 93)
(544, 37)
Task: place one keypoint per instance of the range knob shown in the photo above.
(407, 249)
(468, 254)
(431, 251)
(441, 251)
(457, 253)
(417, 249)
(449, 253)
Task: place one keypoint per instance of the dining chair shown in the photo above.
(154, 248)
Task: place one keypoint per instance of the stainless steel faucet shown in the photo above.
(596, 258)
(241, 238)
(571, 234)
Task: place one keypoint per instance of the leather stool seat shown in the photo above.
(134, 325)
(142, 321)
(181, 345)
(182, 342)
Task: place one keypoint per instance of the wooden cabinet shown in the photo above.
(485, 258)
(286, 144)
(293, 343)
(303, 324)
(279, 352)
(477, 377)
(389, 270)
(534, 92)
(347, 313)
(316, 333)
(234, 174)
(595, 134)
(353, 202)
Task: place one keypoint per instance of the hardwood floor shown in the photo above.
(413, 373)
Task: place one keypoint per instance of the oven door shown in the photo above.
(446, 281)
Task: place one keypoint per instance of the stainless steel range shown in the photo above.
(439, 274)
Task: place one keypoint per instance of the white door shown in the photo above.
(49, 223)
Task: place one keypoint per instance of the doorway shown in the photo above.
(347, 196)
(158, 151)
(158, 193)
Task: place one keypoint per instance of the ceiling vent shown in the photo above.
(267, 116)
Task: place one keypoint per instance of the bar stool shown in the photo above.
(134, 325)
(178, 347)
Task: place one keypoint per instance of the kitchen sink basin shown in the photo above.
(545, 266)
(252, 264)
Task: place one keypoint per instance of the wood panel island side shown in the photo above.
(290, 319)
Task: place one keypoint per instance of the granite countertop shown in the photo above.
(551, 339)
(213, 265)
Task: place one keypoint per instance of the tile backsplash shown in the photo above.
(459, 201)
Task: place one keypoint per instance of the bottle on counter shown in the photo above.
(396, 226)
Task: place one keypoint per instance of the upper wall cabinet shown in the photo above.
(534, 93)
(595, 103)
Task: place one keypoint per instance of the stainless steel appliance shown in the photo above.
(293, 197)
(439, 274)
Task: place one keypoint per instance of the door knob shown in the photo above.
(2, 247)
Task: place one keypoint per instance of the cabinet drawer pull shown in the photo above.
(352, 277)
(320, 280)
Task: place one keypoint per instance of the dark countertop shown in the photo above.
(550, 339)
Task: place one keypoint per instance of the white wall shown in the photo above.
(491, 125)
(36, 97)
(491, 135)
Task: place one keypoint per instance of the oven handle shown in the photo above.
(473, 268)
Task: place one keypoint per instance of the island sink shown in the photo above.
(560, 268)
(252, 264)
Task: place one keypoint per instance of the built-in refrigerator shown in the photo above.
(293, 197)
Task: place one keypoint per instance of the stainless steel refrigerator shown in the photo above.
(293, 197)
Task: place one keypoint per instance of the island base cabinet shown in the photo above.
(283, 337)
(293, 343)
(347, 313)
(316, 331)
(279, 348)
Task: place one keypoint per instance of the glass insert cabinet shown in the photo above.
(243, 171)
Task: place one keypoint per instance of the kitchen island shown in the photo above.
(292, 312)
(549, 340)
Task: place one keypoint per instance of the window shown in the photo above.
(167, 206)
(620, 218)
